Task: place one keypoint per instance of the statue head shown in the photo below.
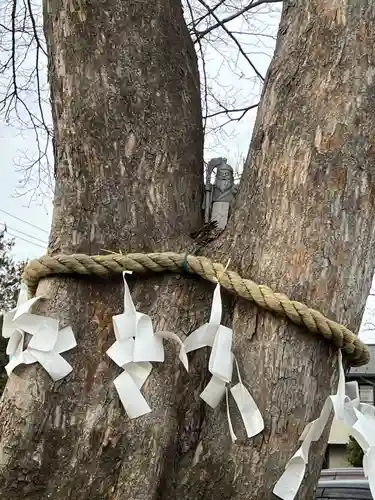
(224, 176)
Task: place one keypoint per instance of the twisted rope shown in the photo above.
(107, 265)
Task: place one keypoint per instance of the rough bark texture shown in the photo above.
(126, 107)
(303, 224)
(128, 173)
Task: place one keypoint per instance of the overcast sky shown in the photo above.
(29, 221)
(37, 214)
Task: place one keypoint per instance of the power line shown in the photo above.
(27, 241)
(24, 221)
(6, 227)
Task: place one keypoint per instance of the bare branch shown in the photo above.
(210, 11)
(23, 88)
(235, 41)
(205, 85)
(14, 74)
(33, 23)
(228, 112)
(239, 13)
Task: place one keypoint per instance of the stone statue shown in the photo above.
(219, 196)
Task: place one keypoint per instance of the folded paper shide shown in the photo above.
(45, 341)
(219, 338)
(358, 417)
(136, 346)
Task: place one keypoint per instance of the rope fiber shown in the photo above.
(357, 353)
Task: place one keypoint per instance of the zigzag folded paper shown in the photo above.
(219, 337)
(46, 343)
(359, 417)
(135, 347)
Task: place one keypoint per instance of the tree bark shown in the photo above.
(303, 224)
(129, 170)
(128, 151)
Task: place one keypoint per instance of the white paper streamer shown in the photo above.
(135, 347)
(9, 319)
(47, 341)
(221, 359)
(16, 353)
(128, 386)
(147, 345)
(131, 397)
(214, 391)
(121, 352)
(338, 399)
(125, 324)
(219, 337)
(201, 337)
(205, 334)
(290, 482)
(48, 356)
(44, 331)
(360, 418)
(182, 354)
(139, 372)
(251, 416)
(250, 413)
(231, 430)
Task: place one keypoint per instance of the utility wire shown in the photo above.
(21, 232)
(27, 241)
(24, 221)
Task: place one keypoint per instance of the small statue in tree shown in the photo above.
(219, 196)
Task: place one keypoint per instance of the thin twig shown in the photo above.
(239, 13)
(205, 86)
(235, 41)
(211, 10)
(238, 110)
(14, 75)
(20, 35)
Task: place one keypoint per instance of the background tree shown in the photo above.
(128, 157)
(354, 453)
(10, 274)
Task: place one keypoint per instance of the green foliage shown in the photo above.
(10, 274)
(354, 453)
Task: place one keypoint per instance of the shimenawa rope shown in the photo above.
(315, 322)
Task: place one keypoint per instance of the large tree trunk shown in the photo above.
(129, 170)
(304, 225)
(129, 173)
